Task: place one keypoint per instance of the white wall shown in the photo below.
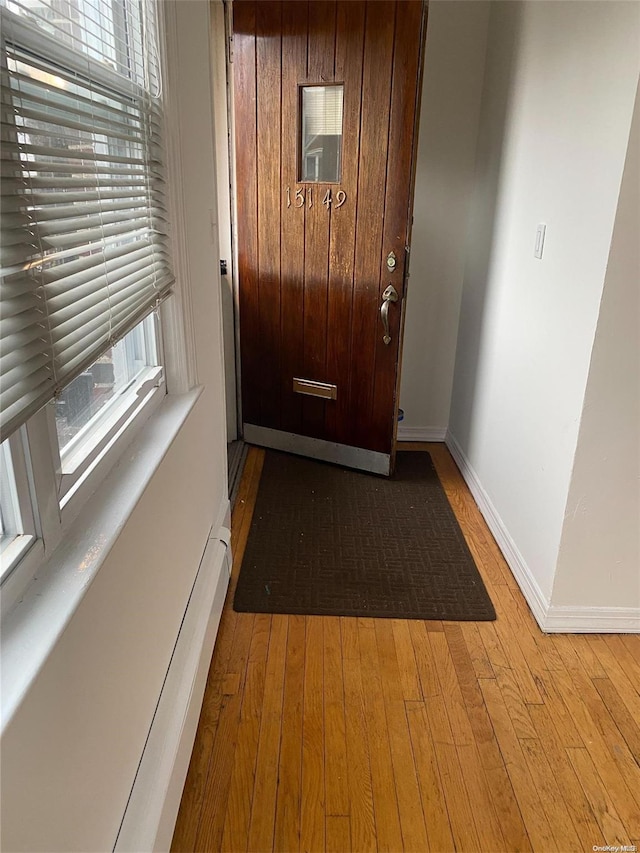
(71, 750)
(599, 562)
(558, 97)
(451, 95)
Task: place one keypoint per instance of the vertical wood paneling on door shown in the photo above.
(322, 41)
(244, 27)
(376, 91)
(406, 59)
(349, 55)
(294, 69)
(269, 62)
(310, 276)
(321, 60)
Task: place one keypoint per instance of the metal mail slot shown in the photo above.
(315, 389)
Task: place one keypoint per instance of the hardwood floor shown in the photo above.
(341, 734)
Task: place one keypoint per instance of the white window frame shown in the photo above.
(17, 493)
(51, 500)
(80, 459)
(56, 493)
(96, 446)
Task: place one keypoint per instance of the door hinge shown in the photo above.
(230, 49)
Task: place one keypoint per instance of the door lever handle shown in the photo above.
(390, 295)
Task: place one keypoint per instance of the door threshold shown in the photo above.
(318, 448)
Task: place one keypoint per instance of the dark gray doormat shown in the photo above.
(335, 542)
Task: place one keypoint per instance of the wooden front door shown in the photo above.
(325, 99)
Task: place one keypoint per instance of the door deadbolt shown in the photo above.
(391, 261)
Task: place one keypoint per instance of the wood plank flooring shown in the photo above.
(341, 734)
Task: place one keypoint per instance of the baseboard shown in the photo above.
(550, 618)
(537, 602)
(152, 809)
(592, 620)
(407, 433)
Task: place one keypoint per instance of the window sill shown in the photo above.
(84, 469)
(86, 446)
(33, 625)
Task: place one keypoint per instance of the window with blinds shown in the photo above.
(84, 244)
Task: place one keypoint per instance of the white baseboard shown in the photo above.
(528, 584)
(152, 809)
(592, 620)
(407, 433)
(550, 618)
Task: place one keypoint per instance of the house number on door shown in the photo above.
(303, 195)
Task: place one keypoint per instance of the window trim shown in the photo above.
(119, 432)
(16, 543)
(102, 426)
(76, 463)
(54, 518)
(54, 512)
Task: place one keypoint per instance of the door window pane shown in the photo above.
(321, 138)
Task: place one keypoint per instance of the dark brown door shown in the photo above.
(325, 97)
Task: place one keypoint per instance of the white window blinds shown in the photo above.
(84, 251)
(322, 110)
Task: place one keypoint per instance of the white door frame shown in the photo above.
(225, 179)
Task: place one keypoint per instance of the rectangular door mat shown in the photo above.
(331, 541)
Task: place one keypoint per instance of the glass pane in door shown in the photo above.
(321, 136)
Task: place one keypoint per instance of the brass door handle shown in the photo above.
(390, 295)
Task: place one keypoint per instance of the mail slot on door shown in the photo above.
(315, 389)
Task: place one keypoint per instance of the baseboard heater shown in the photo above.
(151, 811)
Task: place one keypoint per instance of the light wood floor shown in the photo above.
(342, 734)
